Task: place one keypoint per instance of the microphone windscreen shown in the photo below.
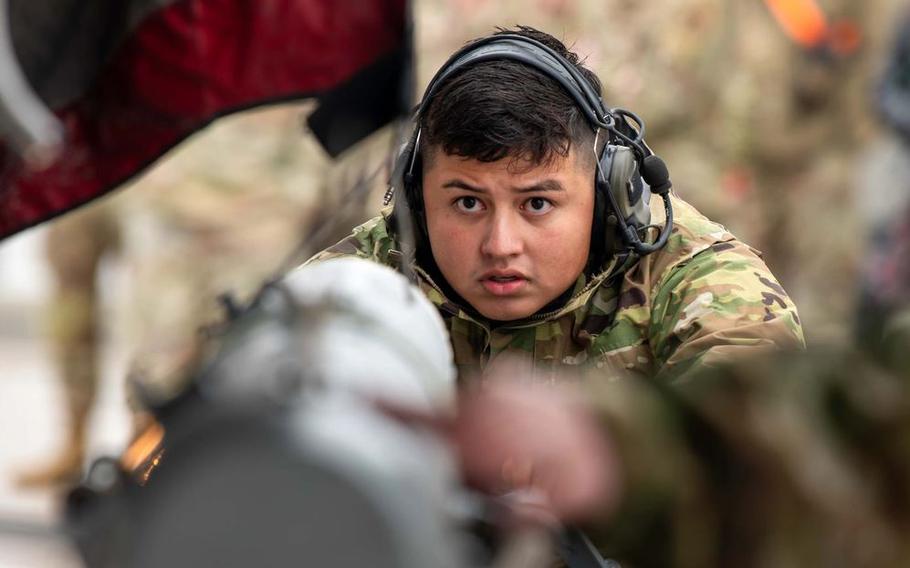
(654, 172)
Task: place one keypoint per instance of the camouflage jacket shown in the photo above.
(764, 463)
(704, 298)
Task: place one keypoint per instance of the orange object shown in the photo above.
(802, 20)
(142, 455)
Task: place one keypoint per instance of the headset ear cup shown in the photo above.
(620, 166)
(406, 181)
(397, 189)
(604, 238)
(620, 187)
(413, 188)
(610, 241)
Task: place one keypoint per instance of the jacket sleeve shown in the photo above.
(721, 304)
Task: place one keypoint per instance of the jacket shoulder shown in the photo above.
(705, 296)
(692, 234)
(371, 241)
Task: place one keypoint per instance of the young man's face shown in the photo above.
(509, 240)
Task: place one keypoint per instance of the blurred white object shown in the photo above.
(344, 326)
(379, 335)
(277, 451)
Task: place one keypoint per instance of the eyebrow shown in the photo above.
(458, 184)
(544, 186)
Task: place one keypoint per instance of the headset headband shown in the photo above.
(534, 54)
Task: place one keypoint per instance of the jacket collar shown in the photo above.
(583, 290)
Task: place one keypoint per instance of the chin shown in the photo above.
(501, 310)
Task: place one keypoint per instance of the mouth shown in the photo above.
(504, 283)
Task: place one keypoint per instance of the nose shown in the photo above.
(503, 237)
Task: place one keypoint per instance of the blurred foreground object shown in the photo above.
(278, 455)
(522, 435)
(285, 449)
(786, 461)
(129, 80)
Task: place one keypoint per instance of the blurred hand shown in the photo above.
(514, 436)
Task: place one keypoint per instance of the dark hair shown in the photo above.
(512, 110)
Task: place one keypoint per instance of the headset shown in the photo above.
(627, 171)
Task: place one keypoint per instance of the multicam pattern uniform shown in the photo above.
(704, 298)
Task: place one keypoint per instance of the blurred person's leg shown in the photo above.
(75, 245)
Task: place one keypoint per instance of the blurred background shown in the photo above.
(766, 128)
